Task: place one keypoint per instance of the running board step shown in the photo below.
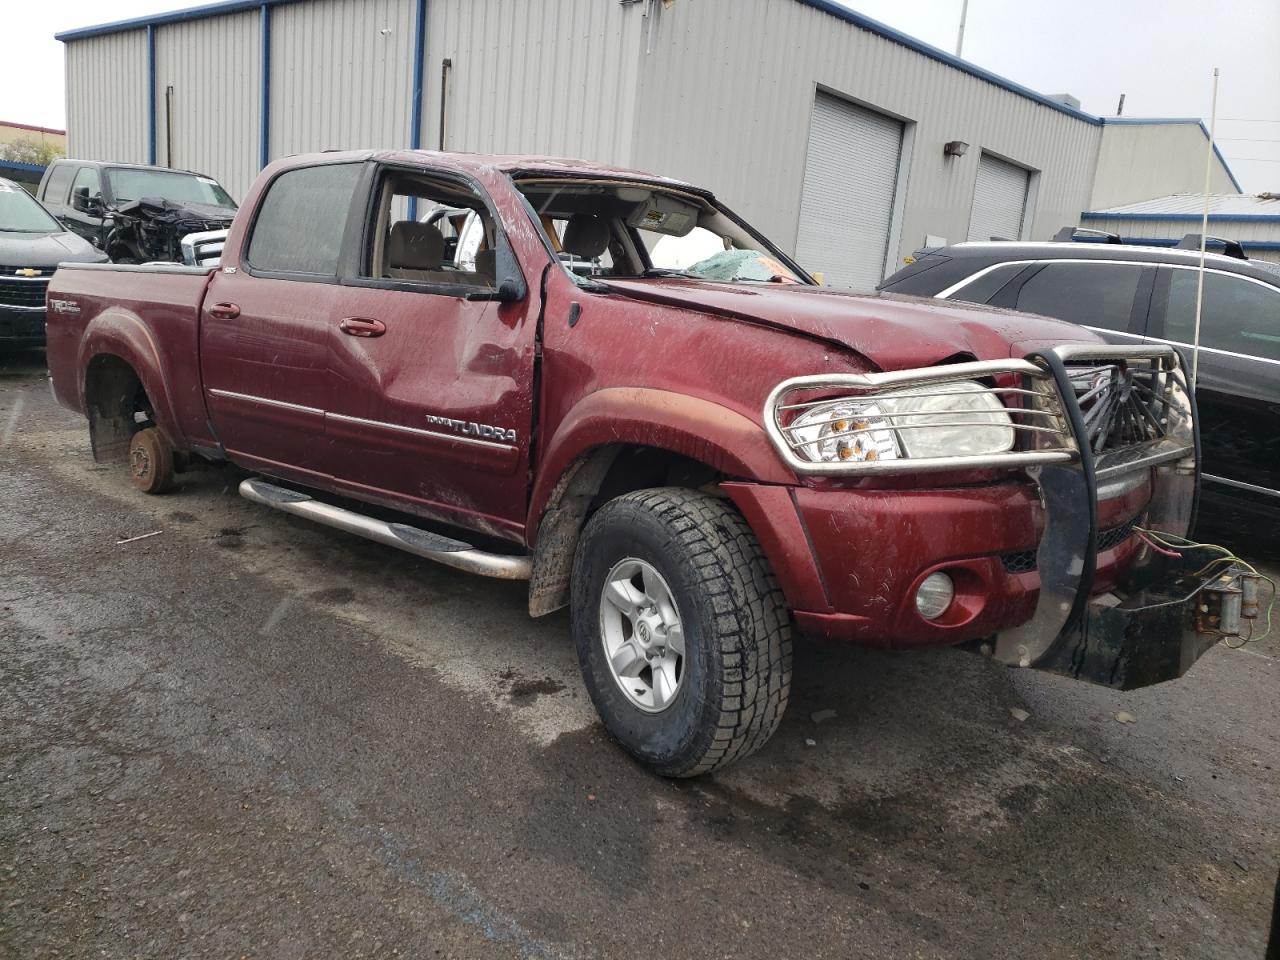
(421, 543)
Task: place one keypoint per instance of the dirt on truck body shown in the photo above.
(608, 384)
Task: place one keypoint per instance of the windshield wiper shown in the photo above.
(668, 272)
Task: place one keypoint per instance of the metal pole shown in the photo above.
(964, 15)
(1204, 229)
(1120, 107)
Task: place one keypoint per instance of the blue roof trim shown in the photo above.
(1169, 242)
(18, 165)
(826, 6)
(1189, 216)
(934, 53)
(176, 16)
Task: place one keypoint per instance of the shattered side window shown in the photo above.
(619, 229)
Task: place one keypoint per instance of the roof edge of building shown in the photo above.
(32, 127)
(935, 53)
(217, 9)
(1189, 216)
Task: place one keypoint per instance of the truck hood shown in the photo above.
(43, 251)
(168, 211)
(891, 331)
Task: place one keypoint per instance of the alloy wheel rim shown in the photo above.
(642, 634)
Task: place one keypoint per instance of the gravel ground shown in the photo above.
(253, 737)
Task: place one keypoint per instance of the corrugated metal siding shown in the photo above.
(341, 75)
(1139, 161)
(727, 93)
(1192, 204)
(1244, 231)
(534, 76)
(107, 98)
(213, 66)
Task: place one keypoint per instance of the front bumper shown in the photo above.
(1095, 603)
(22, 325)
(1148, 634)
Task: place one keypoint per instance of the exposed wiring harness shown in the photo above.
(1172, 545)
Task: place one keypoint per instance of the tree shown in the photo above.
(24, 150)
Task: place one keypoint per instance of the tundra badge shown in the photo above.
(472, 429)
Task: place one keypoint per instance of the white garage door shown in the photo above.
(847, 203)
(999, 200)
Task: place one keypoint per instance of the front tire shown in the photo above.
(683, 634)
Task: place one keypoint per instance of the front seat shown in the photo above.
(585, 236)
(414, 251)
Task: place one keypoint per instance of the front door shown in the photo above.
(1237, 390)
(87, 222)
(268, 325)
(432, 375)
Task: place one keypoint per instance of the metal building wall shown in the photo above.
(727, 92)
(1261, 238)
(107, 97)
(534, 76)
(341, 75)
(213, 67)
(1140, 161)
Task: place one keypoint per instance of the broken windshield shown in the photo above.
(128, 184)
(616, 229)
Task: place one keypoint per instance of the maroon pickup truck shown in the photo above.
(607, 384)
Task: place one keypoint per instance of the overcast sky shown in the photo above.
(1160, 53)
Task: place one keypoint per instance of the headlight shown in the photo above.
(843, 431)
(956, 419)
(961, 419)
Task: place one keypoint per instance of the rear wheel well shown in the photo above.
(591, 481)
(117, 406)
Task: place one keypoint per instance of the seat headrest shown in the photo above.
(414, 246)
(487, 265)
(585, 236)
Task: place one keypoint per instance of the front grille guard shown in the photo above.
(1065, 453)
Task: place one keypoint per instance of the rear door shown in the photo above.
(1238, 388)
(431, 406)
(1110, 298)
(268, 324)
(56, 188)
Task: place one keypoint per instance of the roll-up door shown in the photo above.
(999, 200)
(846, 207)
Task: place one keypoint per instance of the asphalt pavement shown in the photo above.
(248, 736)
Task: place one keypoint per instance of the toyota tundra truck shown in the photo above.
(607, 384)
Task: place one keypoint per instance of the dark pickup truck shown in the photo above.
(700, 462)
(136, 213)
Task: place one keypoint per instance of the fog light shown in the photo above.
(935, 595)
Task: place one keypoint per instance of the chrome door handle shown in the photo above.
(224, 311)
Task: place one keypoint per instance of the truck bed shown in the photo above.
(149, 316)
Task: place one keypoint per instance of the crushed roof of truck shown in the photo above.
(511, 164)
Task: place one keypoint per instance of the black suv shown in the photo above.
(1135, 294)
(131, 212)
